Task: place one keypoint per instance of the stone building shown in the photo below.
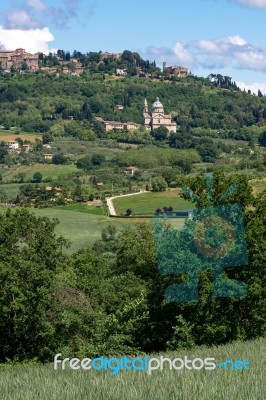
(157, 118)
(17, 58)
(121, 126)
(174, 70)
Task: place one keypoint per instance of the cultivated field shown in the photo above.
(47, 171)
(44, 383)
(147, 203)
(11, 137)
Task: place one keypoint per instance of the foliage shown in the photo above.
(59, 159)
(159, 185)
(30, 254)
(37, 177)
(44, 103)
(262, 139)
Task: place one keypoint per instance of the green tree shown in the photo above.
(24, 66)
(20, 177)
(37, 177)
(59, 158)
(30, 255)
(159, 184)
(109, 233)
(47, 138)
(160, 133)
(262, 139)
(84, 163)
(97, 159)
(3, 152)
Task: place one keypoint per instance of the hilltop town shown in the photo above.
(120, 64)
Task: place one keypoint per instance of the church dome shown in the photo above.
(157, 104)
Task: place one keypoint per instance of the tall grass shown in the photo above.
(43, 382)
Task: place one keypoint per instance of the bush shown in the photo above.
(159, 184)
(59, 159)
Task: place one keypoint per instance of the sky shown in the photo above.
(226, 37)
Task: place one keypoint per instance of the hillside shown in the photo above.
(37, 102)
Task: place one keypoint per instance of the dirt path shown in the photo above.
(109, 201)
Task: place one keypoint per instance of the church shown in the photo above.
(156, 117)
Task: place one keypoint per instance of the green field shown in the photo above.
(11, 190)
(84, 208)
(47, 171)
(147, 203)
(42, 382)
(81, 228)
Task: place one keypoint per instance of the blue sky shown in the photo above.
(207, 36)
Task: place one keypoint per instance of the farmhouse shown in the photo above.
(48, 156)
(131, 170)
(11, 145)
(26, 147)
(121, 72)
(114, 56)
(118, 107)
(121, 126)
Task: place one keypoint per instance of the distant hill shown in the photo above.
(38, 102)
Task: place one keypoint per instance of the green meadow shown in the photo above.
(42, 382)
(81, 228)
(147, 203)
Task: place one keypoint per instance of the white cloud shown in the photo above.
(37, 4)
(21, 19)
(253, 87)
(32, 14)
(178, 54)
(229, 51)
(32, 40)
(237, 40)
(223, 52)
(182, 55)
(252, 3)
(206, 46)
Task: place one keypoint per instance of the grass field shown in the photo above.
(10, 137)
(84, 208)
(10, 189)
(42, 382)
(147, 203)
(81, 228)
(47, 171)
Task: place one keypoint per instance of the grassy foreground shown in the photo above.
(44, 383)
